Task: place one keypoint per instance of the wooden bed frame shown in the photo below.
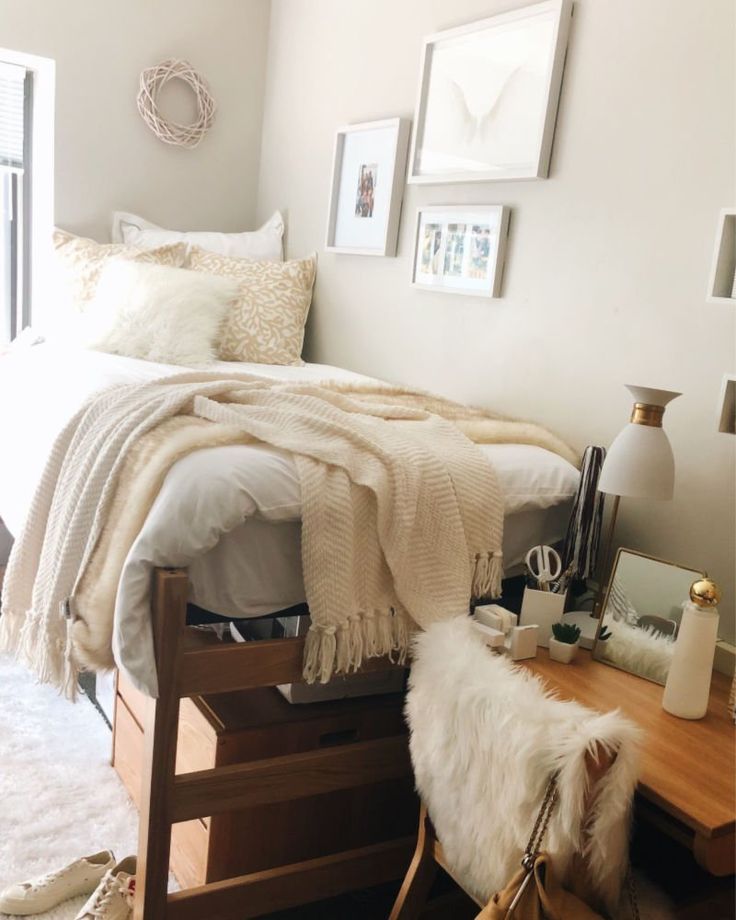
(190, 663)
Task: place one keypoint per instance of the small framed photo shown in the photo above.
(488, 96)
(461, 249)
(367, 184)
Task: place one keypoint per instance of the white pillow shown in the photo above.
(263, 244)
(168, 315)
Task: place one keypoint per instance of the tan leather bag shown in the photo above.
(535, 893)
(538, 896)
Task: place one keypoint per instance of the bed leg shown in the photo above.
(169, 607)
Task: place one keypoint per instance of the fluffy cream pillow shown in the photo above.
(264, 243)
(79, 262)
(168, 315)
(265, 324)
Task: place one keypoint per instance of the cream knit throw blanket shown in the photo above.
(402, 516)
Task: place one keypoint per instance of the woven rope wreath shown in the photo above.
(152, 80)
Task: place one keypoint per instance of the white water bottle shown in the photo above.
(687, 689)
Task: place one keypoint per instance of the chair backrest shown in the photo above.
(486, 737)
(659, 624)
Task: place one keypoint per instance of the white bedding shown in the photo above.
(230, 514)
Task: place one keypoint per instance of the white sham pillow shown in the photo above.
(264, 244)
(157, 313)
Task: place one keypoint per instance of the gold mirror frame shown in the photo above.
(634, 552)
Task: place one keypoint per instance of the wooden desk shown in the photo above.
(687, 777)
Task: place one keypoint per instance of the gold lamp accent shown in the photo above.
(705, 593)
(644, 414)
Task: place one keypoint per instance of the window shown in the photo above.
(16, 83)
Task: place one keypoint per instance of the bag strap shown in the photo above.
(633, 901)
(531, 852)
(540, 825)
(535, 841)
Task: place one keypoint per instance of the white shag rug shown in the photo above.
(59, 797)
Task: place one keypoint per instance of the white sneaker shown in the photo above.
(113, 899)
(41, 894)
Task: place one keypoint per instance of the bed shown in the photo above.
(224, 533)
(231, 515)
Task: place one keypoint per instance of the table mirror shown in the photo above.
(642, 611)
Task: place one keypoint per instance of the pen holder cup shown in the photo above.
(542, 608)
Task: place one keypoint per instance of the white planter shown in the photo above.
(562, 651)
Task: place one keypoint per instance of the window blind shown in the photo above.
(12, 114)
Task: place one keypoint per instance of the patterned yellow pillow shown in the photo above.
(80, 261)
(265, 324)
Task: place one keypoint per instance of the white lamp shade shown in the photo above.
(639, 464)
(650, 396)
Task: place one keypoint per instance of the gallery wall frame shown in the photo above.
(488, 97)
(368, 178)
(460, 249)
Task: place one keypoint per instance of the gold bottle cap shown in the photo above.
(705, 593)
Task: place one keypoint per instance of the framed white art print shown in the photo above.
(367, 184)
(488, 95)
(460, 249)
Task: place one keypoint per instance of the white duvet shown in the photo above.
(229, 514)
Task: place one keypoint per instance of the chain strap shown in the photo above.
(633, 900)
(535, 843)
(540, 825)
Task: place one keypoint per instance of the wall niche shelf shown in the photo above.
(727, 405)
(722, 284)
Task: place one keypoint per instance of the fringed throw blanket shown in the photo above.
(402, 517)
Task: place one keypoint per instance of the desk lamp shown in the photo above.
(639, 463)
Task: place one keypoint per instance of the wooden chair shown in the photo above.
(190, 663)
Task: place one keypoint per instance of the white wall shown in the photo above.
(608, 258)
(106, 158)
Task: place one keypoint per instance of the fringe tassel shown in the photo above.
(71, 670)
(320, 648)
(487, 574)
(10, 630)
(403, 631)
(332, 650)
(44, 647)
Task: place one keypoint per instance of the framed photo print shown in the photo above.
(367, 184)
(488, 97)
(460, 250)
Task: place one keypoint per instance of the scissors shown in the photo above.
(545, 565)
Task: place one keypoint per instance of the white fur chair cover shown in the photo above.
(485, 738)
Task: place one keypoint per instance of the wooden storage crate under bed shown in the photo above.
(259, 805)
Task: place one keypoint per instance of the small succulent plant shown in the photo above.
(604, 634)
(568, 633)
